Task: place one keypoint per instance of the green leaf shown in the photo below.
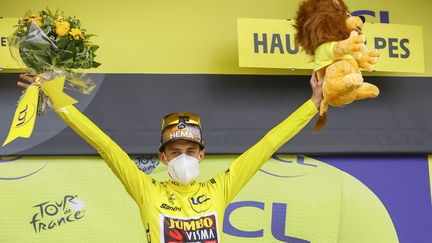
(94, 48)
(95, 64)
(62, 41)
(66, 55)
(66, 62)
(71, 47)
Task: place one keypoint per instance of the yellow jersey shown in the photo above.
(173, 212)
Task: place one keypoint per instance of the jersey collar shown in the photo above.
(193, 185)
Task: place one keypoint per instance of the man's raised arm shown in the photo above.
(118, 160)
(247, 164)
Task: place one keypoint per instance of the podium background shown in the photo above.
(161, 57)
(325, 198)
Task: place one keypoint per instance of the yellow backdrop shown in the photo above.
(192, 36)
(78, 199)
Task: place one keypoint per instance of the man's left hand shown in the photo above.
(317, 93)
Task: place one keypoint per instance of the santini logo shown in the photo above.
(168, 207)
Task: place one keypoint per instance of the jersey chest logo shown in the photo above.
(201, 229)
(200, 203)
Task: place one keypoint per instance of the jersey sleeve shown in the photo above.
(246, 165)
(118, 160)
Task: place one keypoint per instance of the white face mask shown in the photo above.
(183, 168)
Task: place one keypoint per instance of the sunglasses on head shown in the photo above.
(181, 117)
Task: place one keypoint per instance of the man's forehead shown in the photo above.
(181, 144)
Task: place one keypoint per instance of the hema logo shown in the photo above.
(11, 169)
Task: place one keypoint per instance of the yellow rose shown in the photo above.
(62, 27)
(38, 21)
(76, 33)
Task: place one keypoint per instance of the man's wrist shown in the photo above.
(316, 101)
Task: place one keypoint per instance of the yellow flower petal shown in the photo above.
(76, 33)
(62, 28)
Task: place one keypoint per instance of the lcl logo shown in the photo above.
(200, 204)
(22, 116)
(382, 15)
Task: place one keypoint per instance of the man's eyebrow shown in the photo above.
(175, 149)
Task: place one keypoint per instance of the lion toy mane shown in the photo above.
(327, 32)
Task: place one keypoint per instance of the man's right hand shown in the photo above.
(29, 78)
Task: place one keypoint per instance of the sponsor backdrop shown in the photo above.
(293, 198)
(194, 36)
(270, 43)
(184, 55)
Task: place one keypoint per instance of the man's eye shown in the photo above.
(190, 152)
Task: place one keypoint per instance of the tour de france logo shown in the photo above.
(53, 214)
(146, 163)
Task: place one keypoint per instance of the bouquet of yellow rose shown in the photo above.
(51, 45)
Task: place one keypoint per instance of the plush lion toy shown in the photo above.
(327, 31)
